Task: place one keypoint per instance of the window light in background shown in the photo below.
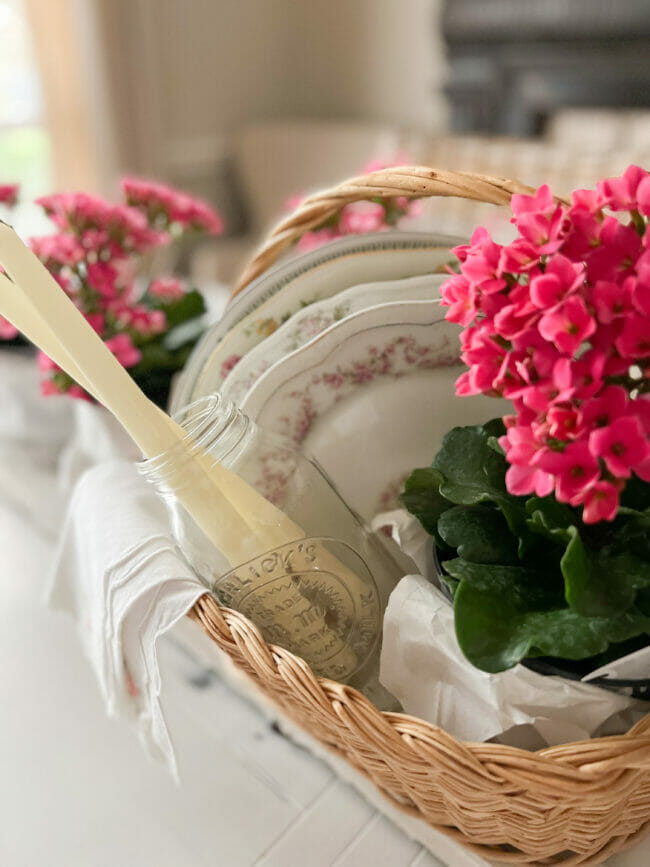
(24, 141)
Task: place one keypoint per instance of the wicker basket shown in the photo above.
(575, 804)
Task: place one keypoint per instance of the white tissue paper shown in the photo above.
(119, 573)
(423, 666)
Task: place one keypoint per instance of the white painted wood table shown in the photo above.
(77, 790)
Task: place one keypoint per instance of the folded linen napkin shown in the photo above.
(119, 573)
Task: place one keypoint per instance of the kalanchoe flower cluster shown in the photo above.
(95, 257)
(558, 322)
(170, 209)
(361, 217)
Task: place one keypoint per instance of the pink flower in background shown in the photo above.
(7, 330)
(162, 203)
(57, 251)
(360, 217)
(140, 319)
(559, 322)
(166, 289)
(95, 256)
(102, 278)
(9, 194)
(123, 349)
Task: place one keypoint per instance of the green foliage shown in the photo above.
(528, 577)
(163, 356)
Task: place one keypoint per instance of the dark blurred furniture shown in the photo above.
(514, 62)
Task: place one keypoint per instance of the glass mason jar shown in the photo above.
(292, 555)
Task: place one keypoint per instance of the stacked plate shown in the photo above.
(346, 351)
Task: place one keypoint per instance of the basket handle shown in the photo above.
(414, 182)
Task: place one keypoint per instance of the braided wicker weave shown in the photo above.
(576, 804)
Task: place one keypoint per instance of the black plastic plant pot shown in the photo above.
(638, 688)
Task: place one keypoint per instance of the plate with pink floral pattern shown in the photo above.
(277, 295)
(313, 319)
(370, 398)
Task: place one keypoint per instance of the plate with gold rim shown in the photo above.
(371, 398)
(275, 296)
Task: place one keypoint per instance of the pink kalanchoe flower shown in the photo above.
(563, 423)
(587, 373)
(643, 196)
(97, 321)
(166, 289)
(600, 503)
(622, 445)
(612, 300)
(45, 363)
(157, 199)
(459, 296)
(123, 349)
(362, 217)
(49, 388)
(583, 232)
(518, 316)
(560, 278)
(9, 194)
(312, 240)
(519, 257)
(56, 251)
(614, 258)
(102, 278)
(7, 330)
(140, 319)
(481, 265)
(77, 392)
(539, 219)
(522, 478)
(567, 325)
(620, 194)
(600, 411)
(634, 340)
(574, 469)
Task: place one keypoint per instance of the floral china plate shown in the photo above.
(275, 296)
(370, 398)
(315, 318)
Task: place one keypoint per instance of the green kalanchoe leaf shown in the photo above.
(504, 614)
(475, 473)
(600, 584)
(478, 533)
(188, 306)
(549, 518)
(422, 498)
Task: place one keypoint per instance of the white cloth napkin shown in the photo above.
(119, 573)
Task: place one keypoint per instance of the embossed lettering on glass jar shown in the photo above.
(320, 594)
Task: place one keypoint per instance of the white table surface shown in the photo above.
(77, 789)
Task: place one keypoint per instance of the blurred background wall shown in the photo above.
(248, 101)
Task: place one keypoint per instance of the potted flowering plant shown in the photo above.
(541, 519)
(98, 255)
